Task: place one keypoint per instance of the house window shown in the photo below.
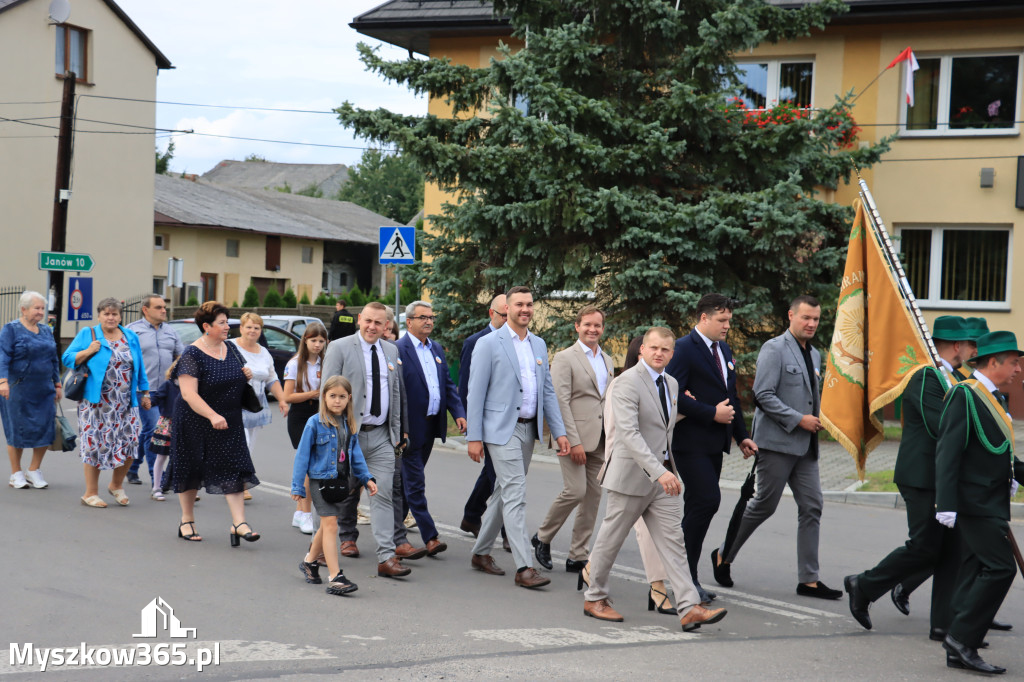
(160, 286)
(159, 242)
(307, 254)
(962, 267)
(273, 260)
(72, 49)
(964, 95)
(232, 248)
(765, 84)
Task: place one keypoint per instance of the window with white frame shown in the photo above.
(973, 94)
(958, 266)
(160, 286)
(767, 83)
(160, 242)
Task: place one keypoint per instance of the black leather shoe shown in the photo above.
(706, 596)
(470, 527)
(859, 604)
(967, 657)
(723, 571)
(541, 550)
(939, 635)
(133, 479)
(901, 599)
(999, 625)
(574, 566)
(822, 591)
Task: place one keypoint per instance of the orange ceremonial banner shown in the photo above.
(875, 349)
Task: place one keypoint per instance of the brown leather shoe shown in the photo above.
(530, 579)
(601, 610)
(407, 551)
(435, 546)
(349, 549)
(484, 562)
(392, 568)
(699, 615)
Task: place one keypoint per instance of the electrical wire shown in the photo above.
(212, 106)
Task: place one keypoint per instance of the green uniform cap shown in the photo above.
(994, 343)
(976, 326)
(951, 328)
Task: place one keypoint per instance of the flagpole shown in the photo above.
(894, 262)
(865, 88)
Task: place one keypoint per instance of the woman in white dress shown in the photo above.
(264, 377)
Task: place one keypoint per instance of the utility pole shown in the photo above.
(62, 194)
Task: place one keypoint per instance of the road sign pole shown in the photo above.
(398, 303)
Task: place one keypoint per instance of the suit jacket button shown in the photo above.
(517, 408)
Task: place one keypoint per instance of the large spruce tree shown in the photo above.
(608, 161)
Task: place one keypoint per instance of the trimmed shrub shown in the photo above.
(251, 298)
(273, 299)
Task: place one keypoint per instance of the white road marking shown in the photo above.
(564, 637)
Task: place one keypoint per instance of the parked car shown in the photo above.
(296, 324)
(282, 344)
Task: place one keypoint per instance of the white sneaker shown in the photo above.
(36, 479)
(362, 516)
(297, 519)
(306, 525)
(18, 480)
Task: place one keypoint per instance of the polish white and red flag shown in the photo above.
(907, 56)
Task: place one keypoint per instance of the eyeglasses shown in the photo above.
(502, 315)
(424, 317)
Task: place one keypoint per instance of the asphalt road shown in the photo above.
(78, 577)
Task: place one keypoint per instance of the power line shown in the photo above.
(211, 106)
(258, 139)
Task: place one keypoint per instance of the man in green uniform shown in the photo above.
(974, 471)
(931, 547)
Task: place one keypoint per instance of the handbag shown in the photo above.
(65, 439)
(74, 382)
(337, 489)
(250, 401)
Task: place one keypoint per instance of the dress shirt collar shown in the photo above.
(946, 364)
(707, 341)
(514, 336)
(366, 346)
(589, 353)
(422, 344)
(654, 375)
(985, 381)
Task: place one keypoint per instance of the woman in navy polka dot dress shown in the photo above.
(208, 442)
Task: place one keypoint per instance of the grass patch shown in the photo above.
(879, 482)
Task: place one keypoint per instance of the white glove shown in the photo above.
(947, 519)
(1013, 487)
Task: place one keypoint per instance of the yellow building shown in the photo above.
(110, 212)
(952, 187)
(227, 236)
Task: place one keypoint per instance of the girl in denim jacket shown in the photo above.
(327, 440)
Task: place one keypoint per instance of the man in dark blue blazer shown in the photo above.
(702, 364)
(477, 502)
(431, 394)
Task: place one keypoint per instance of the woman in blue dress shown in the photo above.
(29, 388)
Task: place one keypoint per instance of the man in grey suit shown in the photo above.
(640, 476)
(787, 394)
(371, 366)
(580, 374)
(510, 396)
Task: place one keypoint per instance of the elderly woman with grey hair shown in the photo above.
(29, 388)
(108, 416)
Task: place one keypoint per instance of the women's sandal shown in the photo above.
(246, 495)
(248, 537)
(119, 496)
(191, 537)
(660, 604)
(94, 501)
(157, 495)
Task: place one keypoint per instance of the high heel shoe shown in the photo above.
(248, 537)
(583, 578)
(191, 537)
(663, 599)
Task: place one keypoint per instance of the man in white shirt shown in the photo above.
(580, 375)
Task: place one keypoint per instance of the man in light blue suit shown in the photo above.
(510, 396)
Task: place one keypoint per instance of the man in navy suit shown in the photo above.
(702, 364)
(431, 394)
(477, 502)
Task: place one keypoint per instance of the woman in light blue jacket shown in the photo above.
(329, 453)
(108, 416)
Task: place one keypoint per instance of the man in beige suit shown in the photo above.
(580, 374)
(640, 476)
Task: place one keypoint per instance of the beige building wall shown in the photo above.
(205, 251)
(110, 215)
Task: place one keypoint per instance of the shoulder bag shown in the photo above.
(65, 439)
(337, 489)
(74, 382)
(250, 401)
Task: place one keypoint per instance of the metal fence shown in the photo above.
(9, 296)
(131, 308)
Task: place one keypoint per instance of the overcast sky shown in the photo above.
(263, 53)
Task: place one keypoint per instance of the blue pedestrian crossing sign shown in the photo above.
(397, 246)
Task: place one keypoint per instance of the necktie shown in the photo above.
(662, 397)
(1001, 398)
(375, 386)
(718, 360)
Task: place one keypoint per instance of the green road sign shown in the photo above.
(65, 262)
